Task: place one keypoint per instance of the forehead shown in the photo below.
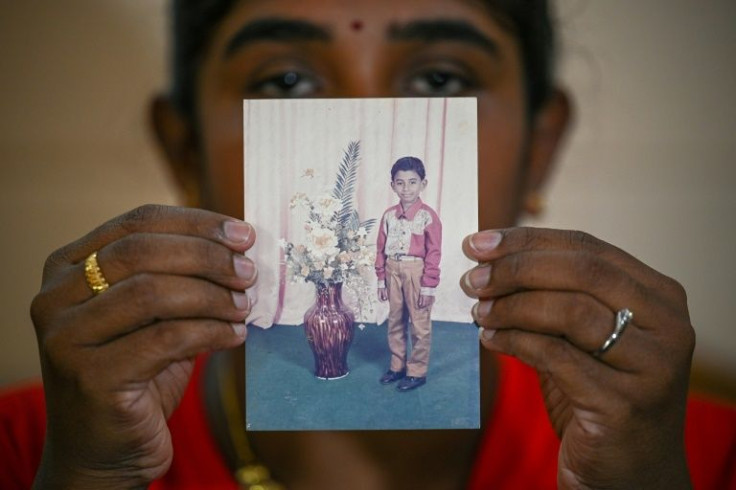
(375, 18)
(406, 175)
(341, 9)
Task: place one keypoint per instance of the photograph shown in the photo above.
(358, 319)
(462, 244)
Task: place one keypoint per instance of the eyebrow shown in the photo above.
(276, 29)
(433, 31)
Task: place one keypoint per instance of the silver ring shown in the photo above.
(623, 318)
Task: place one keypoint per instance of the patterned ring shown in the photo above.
(95, 278)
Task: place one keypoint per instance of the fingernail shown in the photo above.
(237, 231)
(484, 308)
(239, 329)
(485, 241)
(487, 334)
(244, 268)
(479, 277)
(240, 300)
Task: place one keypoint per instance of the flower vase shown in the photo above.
(329, 326)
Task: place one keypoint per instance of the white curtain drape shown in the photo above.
(296, 146)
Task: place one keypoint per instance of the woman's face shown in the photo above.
(367, 48)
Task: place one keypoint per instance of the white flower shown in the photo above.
(327, 206)
(299, 199)
(324, 242)
(332, 251)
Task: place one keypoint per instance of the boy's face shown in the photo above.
(362, 48)
(408, 185)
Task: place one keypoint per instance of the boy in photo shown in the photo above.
(408, 252)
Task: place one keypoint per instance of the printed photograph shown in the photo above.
(358, 320)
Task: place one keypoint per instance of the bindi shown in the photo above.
(356, 25)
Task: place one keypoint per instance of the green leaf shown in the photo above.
(347, 175)
(368, 224)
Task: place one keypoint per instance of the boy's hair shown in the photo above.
(194, 22)
(408, 164)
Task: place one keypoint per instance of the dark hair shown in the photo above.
(408, 163)
(194, 22)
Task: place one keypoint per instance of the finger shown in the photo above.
(159, 253)
(580, 319)
(145, 299)
(157, 346)
(489, 245)
(577, 374)
(235, 234)
(572, 272)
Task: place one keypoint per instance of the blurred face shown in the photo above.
(408, 185)
(366, 48)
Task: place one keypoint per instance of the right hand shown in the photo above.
(382, 294)
(115, 365)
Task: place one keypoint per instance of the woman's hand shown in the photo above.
(550, 298)
(116, 364)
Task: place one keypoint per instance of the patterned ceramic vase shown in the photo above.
(329, 326)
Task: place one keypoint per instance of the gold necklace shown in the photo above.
(250, 473)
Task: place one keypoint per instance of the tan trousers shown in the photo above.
(402, 283)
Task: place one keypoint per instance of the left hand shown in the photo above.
(425, 301)
(549, 298)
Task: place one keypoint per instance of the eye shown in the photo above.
(286, 84)
(438, 83)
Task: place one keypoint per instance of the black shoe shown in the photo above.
(411, 382)
(392, 376)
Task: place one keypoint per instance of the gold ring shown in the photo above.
(92, 272)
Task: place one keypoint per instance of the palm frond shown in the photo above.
(368, 224)
(350, 220)
(347, 175)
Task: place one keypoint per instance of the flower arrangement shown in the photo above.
(336, 248)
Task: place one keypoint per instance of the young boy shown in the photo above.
(407, 265)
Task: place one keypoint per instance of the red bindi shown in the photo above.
(356, 25)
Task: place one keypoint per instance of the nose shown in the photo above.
(363, 87)
(359, 73)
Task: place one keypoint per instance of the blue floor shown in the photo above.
(283, 394)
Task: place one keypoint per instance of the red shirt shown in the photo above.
(519, 449)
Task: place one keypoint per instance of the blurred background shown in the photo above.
(650, 165)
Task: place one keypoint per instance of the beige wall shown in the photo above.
(650, 168)
(74, 144)
(652, 165)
